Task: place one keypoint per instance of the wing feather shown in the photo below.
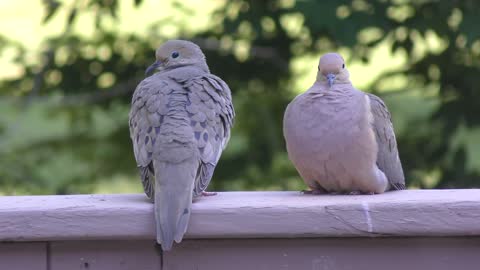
(388, 159)
(212, 116)
(145, 121)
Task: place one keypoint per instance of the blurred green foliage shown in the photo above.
(63, 122)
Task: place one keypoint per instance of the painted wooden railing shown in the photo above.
(413, 229)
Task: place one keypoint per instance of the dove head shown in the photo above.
(331, 69)
(177, 53)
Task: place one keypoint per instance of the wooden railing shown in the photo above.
(414, 229)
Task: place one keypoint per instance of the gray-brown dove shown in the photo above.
(180, 122)
(341, 139)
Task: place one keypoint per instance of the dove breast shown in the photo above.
(330, 139)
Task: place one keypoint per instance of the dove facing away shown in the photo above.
(341, 139)
(180, 122)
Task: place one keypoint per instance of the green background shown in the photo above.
(68, 70)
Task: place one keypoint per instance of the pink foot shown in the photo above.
(205, 193)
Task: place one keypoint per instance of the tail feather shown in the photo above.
(182, 224)
(173, 199)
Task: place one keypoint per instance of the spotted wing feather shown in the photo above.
(211, 117)
(145, 123)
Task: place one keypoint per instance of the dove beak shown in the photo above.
(152, 68)
(330, 79)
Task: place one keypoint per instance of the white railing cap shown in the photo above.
(246, 215)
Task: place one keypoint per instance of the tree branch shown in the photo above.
(260, 52)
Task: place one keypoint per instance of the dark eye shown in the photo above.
(343, 65)
(175, 54)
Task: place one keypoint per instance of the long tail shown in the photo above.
(173, 199)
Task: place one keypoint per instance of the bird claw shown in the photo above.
(314, 192)
(207, 194)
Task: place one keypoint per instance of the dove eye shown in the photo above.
(175, 54)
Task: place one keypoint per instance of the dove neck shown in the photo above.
(200, 65)
(203, 66)
(322, 86)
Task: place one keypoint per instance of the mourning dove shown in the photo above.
(180, 122)
(341, 139)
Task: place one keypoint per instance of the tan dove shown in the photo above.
(180, 122)
(341, 139)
